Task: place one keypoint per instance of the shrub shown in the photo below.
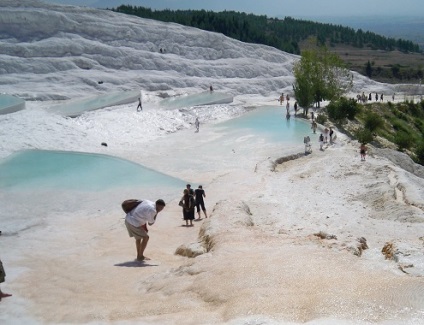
(343, 108)
(364, 136)
(352, 108)
(334, 111)
(415, 109)
(419, 153)
(403, 140)
(400, 115)
(400, 125)
(419, 124)
(373, 121)
(321, 119)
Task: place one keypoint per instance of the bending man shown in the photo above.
(136, 222)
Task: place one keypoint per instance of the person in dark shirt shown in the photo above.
(2, 278)
(200, 194)
(187, 203)
(190, 190)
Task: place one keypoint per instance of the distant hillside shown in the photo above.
(290, 35)
(284, 34)
(405, 27)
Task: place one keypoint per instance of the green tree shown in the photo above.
(303, 86)
(368, 69)
(319, 75)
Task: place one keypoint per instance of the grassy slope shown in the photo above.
(402, 127)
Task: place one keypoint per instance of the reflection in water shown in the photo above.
(75, 108)
(271, 122)
(205, 98)
(10, 104)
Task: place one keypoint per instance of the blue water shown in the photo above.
(94, 172)
(271, 123)
(77, 171)
(10, 104)
(77, 107)
(204, 98)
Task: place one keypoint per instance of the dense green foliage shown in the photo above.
(364, 136)
(321, 119)
(320, 75)
(342, 109)
(403, 140)
(373, 121)
(284, 34)
(420, 152)
(400, 123)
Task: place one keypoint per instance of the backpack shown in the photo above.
(129, 205)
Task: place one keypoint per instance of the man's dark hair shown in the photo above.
(160, 202)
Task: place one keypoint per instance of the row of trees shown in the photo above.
(284, 34)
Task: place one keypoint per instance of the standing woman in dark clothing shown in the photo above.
(187, 203)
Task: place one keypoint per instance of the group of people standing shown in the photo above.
(191, 200)
(145, 213)
(287, 98)
(323, 138)
(364, 98)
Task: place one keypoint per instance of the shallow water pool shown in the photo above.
(270, 122)
(77, 171)
(204, 98)
(10, 104)
(75, 108)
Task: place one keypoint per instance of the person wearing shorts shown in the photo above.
(200, 194)
(136, 223)
(363, 151)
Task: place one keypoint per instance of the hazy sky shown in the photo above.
(276, 8)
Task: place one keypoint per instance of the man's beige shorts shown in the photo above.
(136, 232)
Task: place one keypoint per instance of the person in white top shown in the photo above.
(136, 222)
